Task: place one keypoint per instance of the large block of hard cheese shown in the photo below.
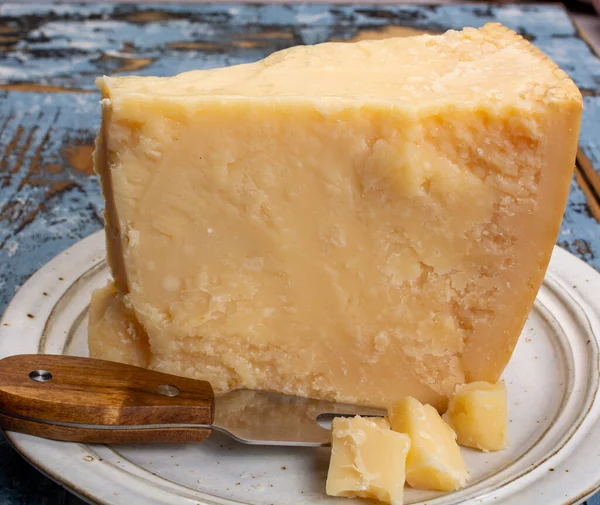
(357, 222)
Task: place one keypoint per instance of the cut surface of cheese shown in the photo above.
(367, 460)
(478, 413)
(434, 460)
(356, 222)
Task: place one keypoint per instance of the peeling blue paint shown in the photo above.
(589, 138)
(580, 232)
(72, 46)
(65, 205)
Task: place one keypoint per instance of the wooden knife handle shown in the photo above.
(95, 401)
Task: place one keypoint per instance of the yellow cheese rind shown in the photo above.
(478, 413)
(367, 460)
(434, 460)
(354, 222)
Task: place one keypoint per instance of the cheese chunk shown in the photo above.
(355, 222)
(434, 460)
(119, 335)
(367, 460)
(479, 415)
(382, 422)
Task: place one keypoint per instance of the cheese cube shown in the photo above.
(434, 460)
(356, 222)
(478, 414)
(367, 460)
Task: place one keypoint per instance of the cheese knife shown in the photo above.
(94, 401)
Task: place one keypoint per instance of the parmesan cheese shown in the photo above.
(356, 222)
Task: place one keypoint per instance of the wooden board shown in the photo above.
(49, 111)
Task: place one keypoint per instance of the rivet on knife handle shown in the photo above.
(95, 401)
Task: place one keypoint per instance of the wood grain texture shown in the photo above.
(92, 436)
(49, 112)
(589, 181)
(97, 392)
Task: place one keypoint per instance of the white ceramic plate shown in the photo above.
(553, 382)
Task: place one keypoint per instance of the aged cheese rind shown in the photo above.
(434, 460)
(478, 413)
(358, 222)
(367, 460)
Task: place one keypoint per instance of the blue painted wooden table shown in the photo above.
(49, 112)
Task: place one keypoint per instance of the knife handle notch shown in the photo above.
(96, 401)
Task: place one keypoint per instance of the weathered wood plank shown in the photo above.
(49, 196)
(580, 230)
(66, 46)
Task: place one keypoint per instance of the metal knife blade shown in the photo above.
(261, 418)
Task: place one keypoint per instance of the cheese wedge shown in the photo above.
(367, 460)
(434, 460)
(357, 222)
(478, 413)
